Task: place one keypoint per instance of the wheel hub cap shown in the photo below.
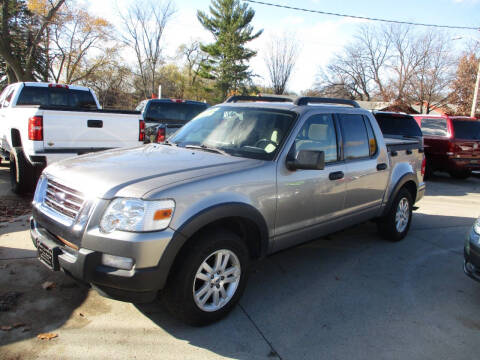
(216, 280)
(402, 215)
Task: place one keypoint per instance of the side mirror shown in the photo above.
(306, 160)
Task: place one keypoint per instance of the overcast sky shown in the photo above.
(320, 35)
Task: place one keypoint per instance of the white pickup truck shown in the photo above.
(41, 123)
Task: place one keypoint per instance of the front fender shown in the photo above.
(203, 218)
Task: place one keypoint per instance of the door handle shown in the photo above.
(95, 123)
(381, 166)
(337, 175)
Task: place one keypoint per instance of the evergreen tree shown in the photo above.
(228, 58)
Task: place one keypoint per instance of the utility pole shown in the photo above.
(475, 93)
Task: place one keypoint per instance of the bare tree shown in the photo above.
(429, 83)
(144, 23)
(74, 35)
(281, 55)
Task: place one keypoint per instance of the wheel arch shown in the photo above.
(408, 181)
(243, 219)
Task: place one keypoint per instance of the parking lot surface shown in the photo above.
(347, 295)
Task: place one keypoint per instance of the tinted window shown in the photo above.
(173, 112)
(34, 95)
(318, 133)
(355, 138)
(398, 124)
(436, 127)
(466, 130)
(244, 132)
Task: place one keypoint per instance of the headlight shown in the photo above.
(137, 215)
(476, 226)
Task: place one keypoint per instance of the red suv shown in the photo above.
(452, 143)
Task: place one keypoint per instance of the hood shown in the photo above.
(105, 174)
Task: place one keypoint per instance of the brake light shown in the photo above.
(161, 135)
(178, 100)
(424, 165)
(141, 130)
(35, 128)
(58, 86)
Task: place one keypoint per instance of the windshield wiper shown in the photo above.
(207, 148)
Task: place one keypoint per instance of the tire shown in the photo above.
(389, 226)
(21, 172)
(178, 296)
(461, 174)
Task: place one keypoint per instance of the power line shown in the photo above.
(362, 17)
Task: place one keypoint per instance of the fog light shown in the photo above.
(118, 262)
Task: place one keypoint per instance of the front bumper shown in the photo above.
(471, 252)
(135, 285)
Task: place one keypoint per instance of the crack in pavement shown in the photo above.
(273, 352)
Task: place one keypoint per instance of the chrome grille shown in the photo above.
(63, 199)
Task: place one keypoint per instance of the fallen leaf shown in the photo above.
(81, 314)
(47, 336)
(6, 328)
(47, 285)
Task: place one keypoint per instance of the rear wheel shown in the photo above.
(21, 172)
(460, 174)
(395, 225)
(208, 278)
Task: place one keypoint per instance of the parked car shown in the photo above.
(472, 252)
(452, 144)
(165, 116)
(41, 123)
(237, 183)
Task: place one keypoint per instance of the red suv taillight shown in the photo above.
(35, 128)
(161, 135)
(424, 165)
(141, 130)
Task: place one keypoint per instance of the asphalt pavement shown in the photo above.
(350, 295)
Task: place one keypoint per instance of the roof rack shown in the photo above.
(236, 98)
(305, 100)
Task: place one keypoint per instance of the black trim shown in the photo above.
(400, 183)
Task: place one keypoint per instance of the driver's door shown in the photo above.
(306, 199)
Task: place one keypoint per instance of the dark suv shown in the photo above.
(452, 143)
(165, 116)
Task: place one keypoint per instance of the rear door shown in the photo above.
(366, 173)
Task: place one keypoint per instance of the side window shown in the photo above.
(372, 141)
(436, 127)
(355, 136)
(318, 133)
(8, 96)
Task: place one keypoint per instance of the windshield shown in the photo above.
(172, 112)
(47, 96)
(393, 124)
(467, 130)
(245, 132)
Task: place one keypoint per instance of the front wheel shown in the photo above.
(395, 225)
(208, 278)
